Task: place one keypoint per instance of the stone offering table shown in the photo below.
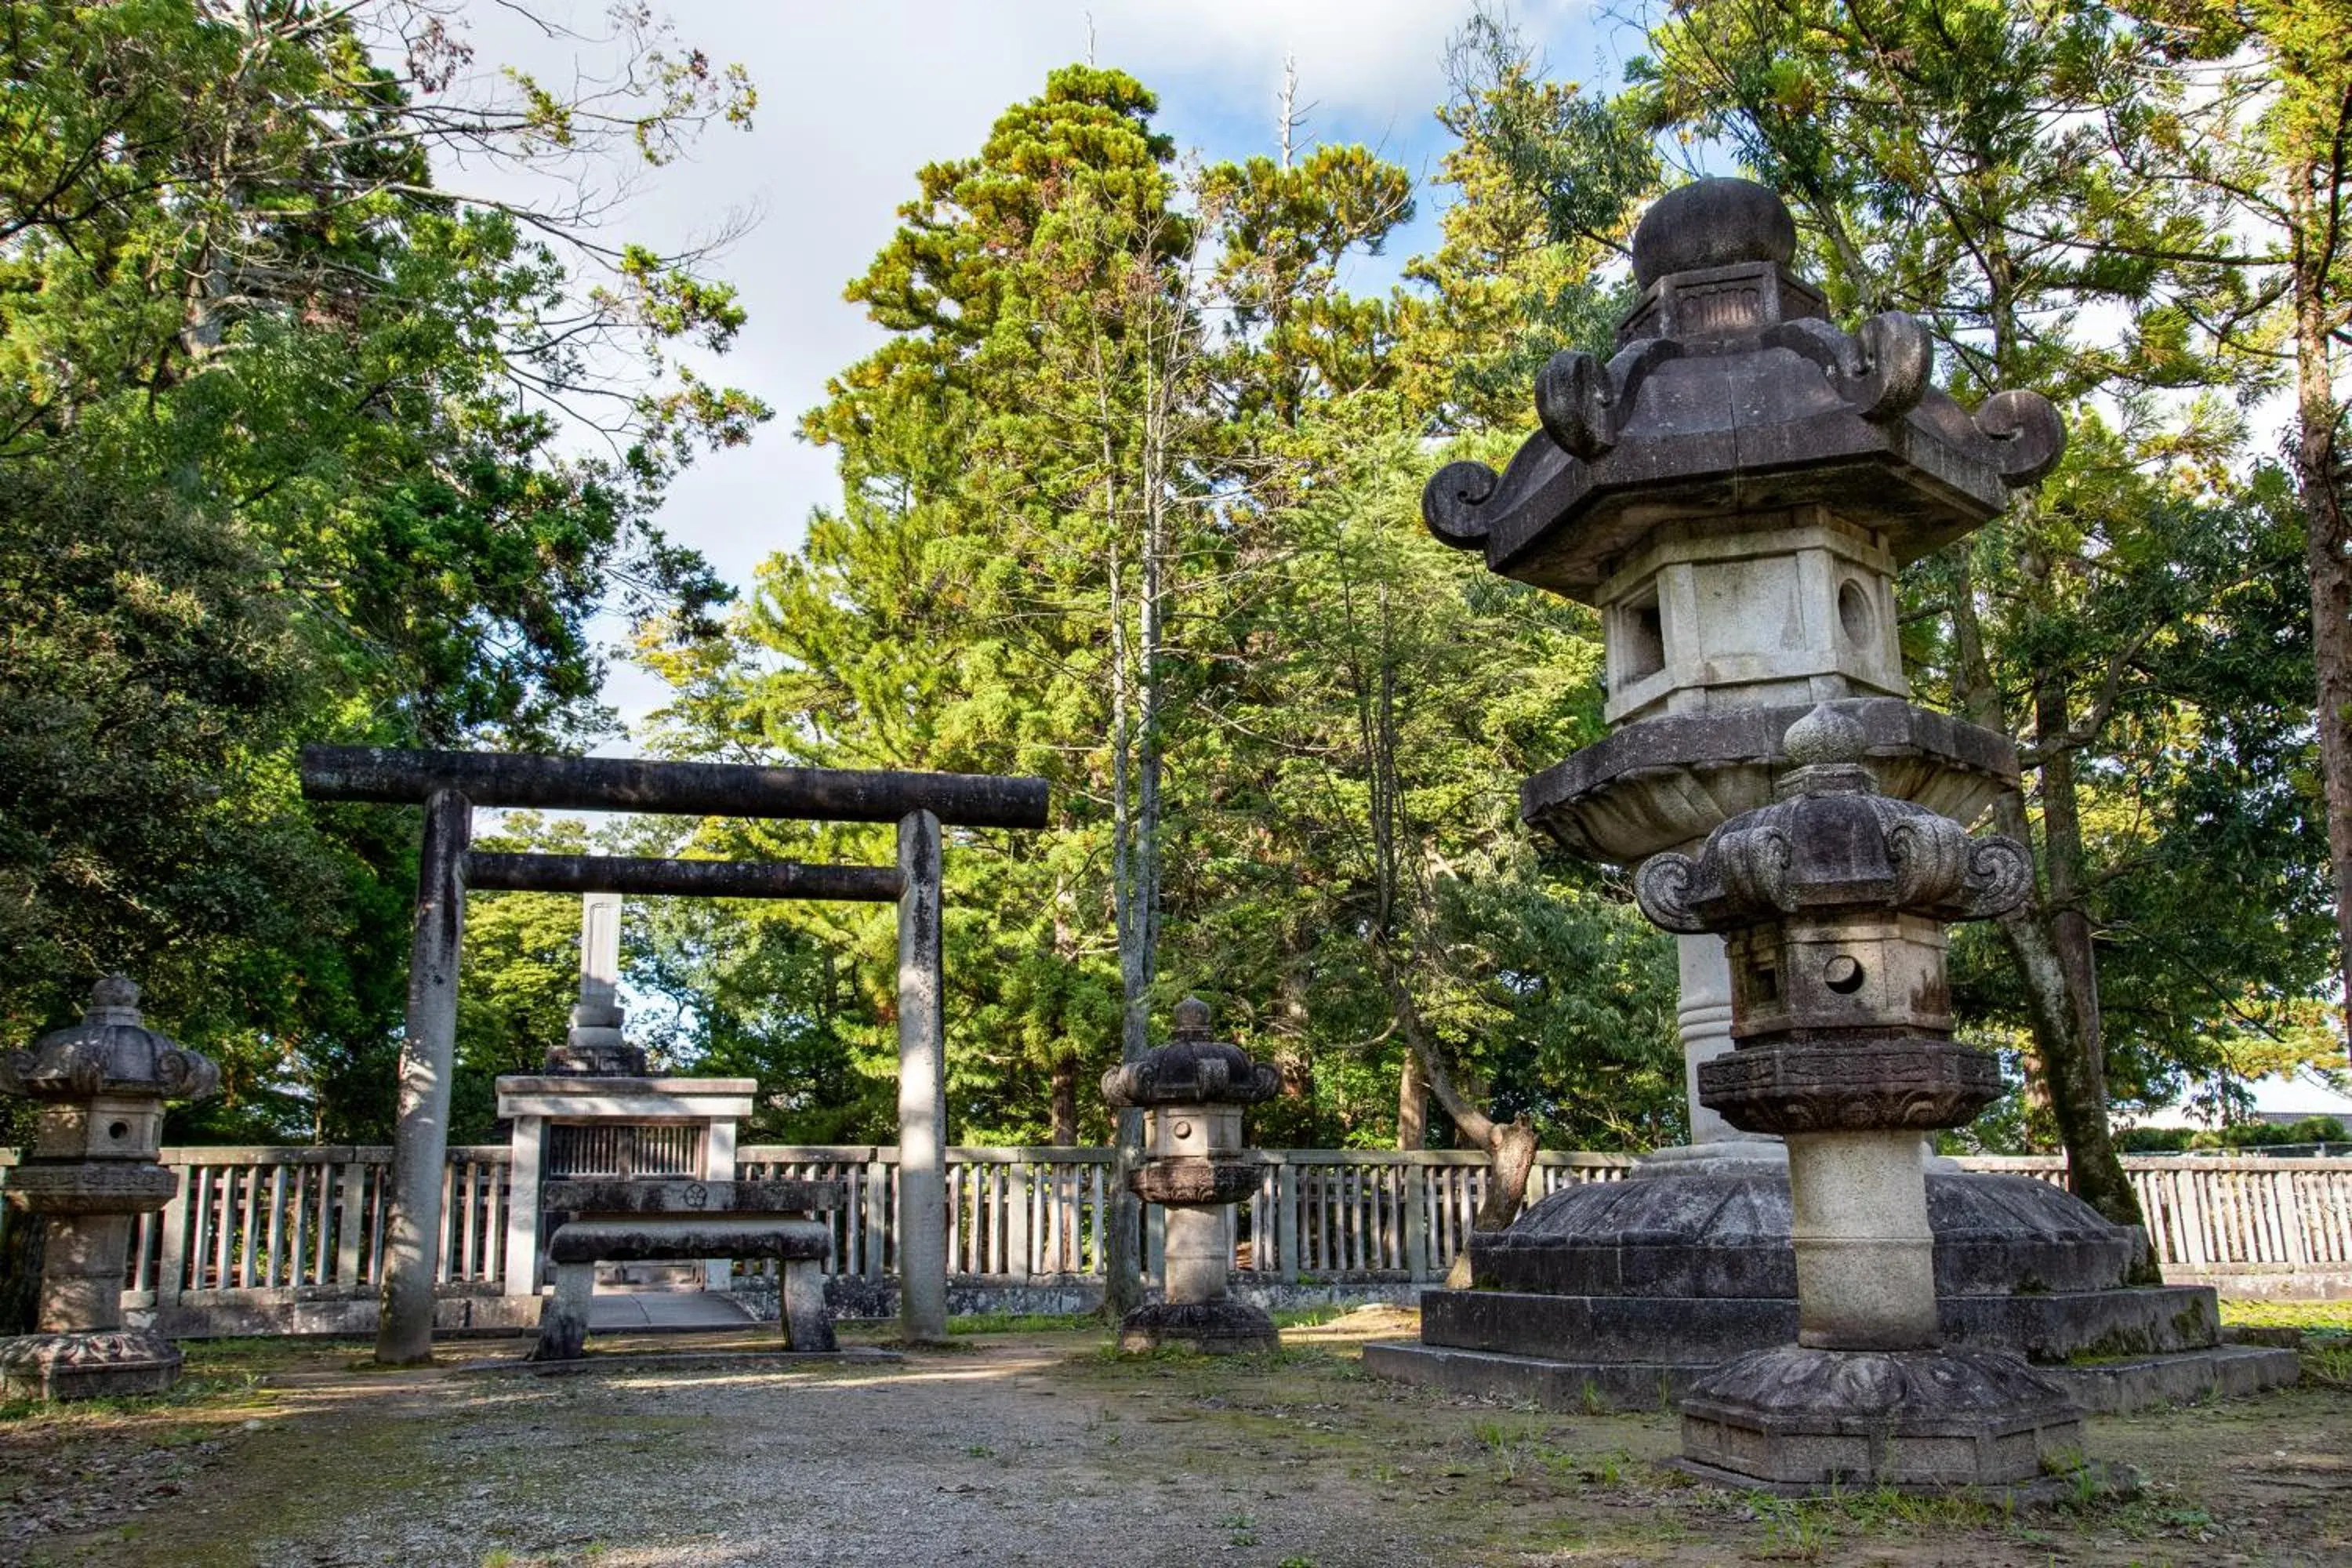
(1191, 1092)
(102, 1084)
(658, 1221)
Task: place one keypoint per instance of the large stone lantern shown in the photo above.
(1191, 1092)
(102, 1084)
(1732, 489)
(1833, 900)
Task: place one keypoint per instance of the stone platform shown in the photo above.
(1623, 1296)
(2100, 1387)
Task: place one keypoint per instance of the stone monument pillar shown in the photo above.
(1833, 901)
(102, 1084)
(1191, 1092)
(597, 1042)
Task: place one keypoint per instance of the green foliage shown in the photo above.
(1053, 442)
(282, 458)
(2311, 1129)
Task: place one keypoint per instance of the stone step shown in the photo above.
(2045, 1328)
(2105, 1387)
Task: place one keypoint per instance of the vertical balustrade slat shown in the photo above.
(351, 1197)
(218, 1207)
(170, 1262)
(877, 1226)
(1016, 1240)
(1416, 1221)
(275, 1230)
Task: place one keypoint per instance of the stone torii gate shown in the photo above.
(449, 784)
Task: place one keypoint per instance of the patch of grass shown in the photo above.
(189, 1393)
(1022, 1322)
(2322, 1317)
(1309, 1317)
(1240, 1530)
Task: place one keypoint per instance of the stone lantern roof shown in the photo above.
(1191, 1070)
(1731, 393)
(110, 1052)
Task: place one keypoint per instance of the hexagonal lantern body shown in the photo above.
(1734, 490)
(103, 1082)
(1752, 611)
(1883, 975)
(1191, 1131)
(1191, 1092)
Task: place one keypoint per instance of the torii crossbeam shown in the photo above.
(449, 784)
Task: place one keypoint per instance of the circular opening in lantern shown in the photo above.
(1855, 612)
(118, 1130)
(1842, 975)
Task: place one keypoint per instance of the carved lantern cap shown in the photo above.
(1191, 1070)
(1730, 394)
(1832, 844)
(111, 1052)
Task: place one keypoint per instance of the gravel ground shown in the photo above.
(1034, 1449)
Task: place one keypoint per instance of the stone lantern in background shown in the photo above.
(1834, 900)
(1191, 1092)
(102, 1084)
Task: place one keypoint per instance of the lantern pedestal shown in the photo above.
(1800, 1420)
(92, 1363)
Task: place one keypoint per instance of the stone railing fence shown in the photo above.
(287, 1239)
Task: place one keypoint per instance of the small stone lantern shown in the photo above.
(1191, 1092)
(102, 1084)
(1833, 901)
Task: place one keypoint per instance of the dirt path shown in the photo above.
(1038, 1450)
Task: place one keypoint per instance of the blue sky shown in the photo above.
(854, 99)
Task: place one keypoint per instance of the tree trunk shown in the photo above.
(1413, 1104)
(2327, 555)
(1066, 1103)
(1509, 1145)
(2050, 938)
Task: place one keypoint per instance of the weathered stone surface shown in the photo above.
(87, 1364)
(1913, 1420)
(1195, 1181)
(102, 1084)
(1726, 1237)
(92, 1186)
(1667, 783)
(1191, 1070)
(653, 1238)
(658, 1195)
(109, 1051)
(1784, 1086)
(1730, 394)
(1566, 1380)
(1703, 1331)
(1222, 1327)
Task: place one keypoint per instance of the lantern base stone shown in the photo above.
(87, 1364)
(1230, 1327)
(1925, 1419)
